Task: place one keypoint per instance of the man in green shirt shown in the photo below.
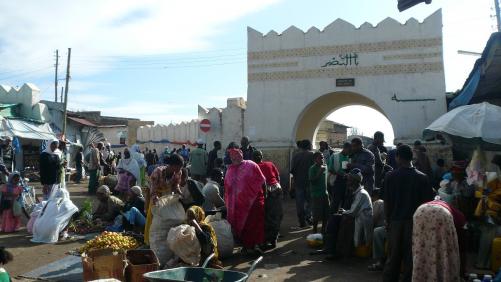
(199, 159)
(318, 192)
(337, 166)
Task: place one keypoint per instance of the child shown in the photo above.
(318, 192)
(5, 257)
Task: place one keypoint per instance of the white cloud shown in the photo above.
(32, 30)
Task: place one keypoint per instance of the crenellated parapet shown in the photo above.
(28, 95)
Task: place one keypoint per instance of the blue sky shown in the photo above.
(156, 60)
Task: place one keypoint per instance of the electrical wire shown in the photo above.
(25, 73)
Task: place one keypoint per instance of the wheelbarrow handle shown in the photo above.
(206, 262)
(253, 266)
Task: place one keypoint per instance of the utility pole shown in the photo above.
(498, 14)
(55, 79)
(66, 93)
(62, 89)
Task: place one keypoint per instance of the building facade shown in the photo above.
(296, 79)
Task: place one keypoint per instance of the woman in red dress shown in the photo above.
(244, 196)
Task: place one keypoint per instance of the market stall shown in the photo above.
(30, 136)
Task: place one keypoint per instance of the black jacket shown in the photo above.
(50, 167)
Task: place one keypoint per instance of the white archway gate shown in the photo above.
(296, 78)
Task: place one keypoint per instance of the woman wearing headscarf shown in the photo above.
(135, 152)
(50, 167)
(128, 173)
(163, 181)
(10, 196)
(206, 235)
(435, 249)
(134, 209)
(244, 194)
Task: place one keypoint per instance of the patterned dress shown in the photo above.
(435, 247)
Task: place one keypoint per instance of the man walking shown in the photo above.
(199, 159)
(405, 189)
(273, 200)
(301, 163)
(94, 166)
(363, 159)
(213, 155)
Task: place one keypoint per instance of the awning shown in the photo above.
(26, 129)
(484, 82)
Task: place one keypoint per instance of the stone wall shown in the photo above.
(395, 68)
(29, 98)
(227, 125)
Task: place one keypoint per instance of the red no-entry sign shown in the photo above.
(205, 125)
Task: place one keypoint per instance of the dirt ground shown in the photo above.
(290, 261)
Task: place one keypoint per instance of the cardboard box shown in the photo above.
(101, 264)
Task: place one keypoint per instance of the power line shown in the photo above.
(160, 67)
(161, 54)
(162, 60)
(24, 73)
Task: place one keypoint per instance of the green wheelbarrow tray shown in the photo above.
(201, 274)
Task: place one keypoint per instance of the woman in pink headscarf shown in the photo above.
(244, 197)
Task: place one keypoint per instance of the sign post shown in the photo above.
(205, 127)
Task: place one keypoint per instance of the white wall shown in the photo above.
(227, 125)
(111, 134)
(286, 74)
(29, 97)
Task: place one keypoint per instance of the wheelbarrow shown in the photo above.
(200, 274)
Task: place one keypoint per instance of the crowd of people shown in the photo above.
(237, 183)
(362, 197)
(413, 215)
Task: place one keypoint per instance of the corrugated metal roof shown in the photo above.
(82, 121)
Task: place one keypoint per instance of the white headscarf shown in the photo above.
(56, 151)
(130, 165)
(135, 153)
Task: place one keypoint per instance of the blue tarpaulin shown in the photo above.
(467, 93)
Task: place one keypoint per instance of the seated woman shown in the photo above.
(109, 205)
(134, 210)
(10, 195)
(205, 234)
(128, 173)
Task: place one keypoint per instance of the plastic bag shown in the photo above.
(167, 213)
(54, 216)
(315, 240)
(476, 168)
(183, 241)
(222, 228)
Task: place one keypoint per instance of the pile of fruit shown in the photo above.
(110, 240)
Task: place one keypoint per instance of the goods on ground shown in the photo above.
(110, 240)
